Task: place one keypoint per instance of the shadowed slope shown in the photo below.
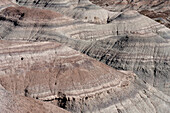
(124, 43)
(11, 103)
(83, 10)
(59, 75)
(158, 10)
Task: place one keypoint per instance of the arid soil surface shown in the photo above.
(81, 56)
(159, 10)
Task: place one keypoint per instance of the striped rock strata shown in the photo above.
(11, 103)
(124, 43)
(158, 10)
(121, 5)
(57, 74)
(83, 10)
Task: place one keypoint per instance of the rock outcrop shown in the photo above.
(60, 75)
(23, 13)
(159, 10)
(56, 74)
(11, 103)
(121, 5)
(77, 9)
(124, 43)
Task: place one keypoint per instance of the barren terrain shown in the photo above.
(81, 56)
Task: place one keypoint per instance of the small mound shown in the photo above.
(24, 13)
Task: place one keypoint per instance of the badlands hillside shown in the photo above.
(81, 56)
(159, 10)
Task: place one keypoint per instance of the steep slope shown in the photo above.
(11, 103)
(23, 13)
(124, 43)
(158, 10)
(157, 5)
(83, 10)
(59, 75)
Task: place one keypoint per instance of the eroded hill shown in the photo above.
(159, 10)
(36, 61)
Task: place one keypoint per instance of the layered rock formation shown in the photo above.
(23, 13)
(123, 43)
(77, 9)
(57, 74)
(158, 10)
(121, 5)
(11, 103)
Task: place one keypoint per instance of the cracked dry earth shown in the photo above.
(61, 56)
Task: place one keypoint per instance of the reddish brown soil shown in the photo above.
(152, 14)
(24, 13)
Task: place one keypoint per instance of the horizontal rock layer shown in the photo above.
(57, 74)
(123, 43)
(11, 103)
(158, 10)
(77, 9)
